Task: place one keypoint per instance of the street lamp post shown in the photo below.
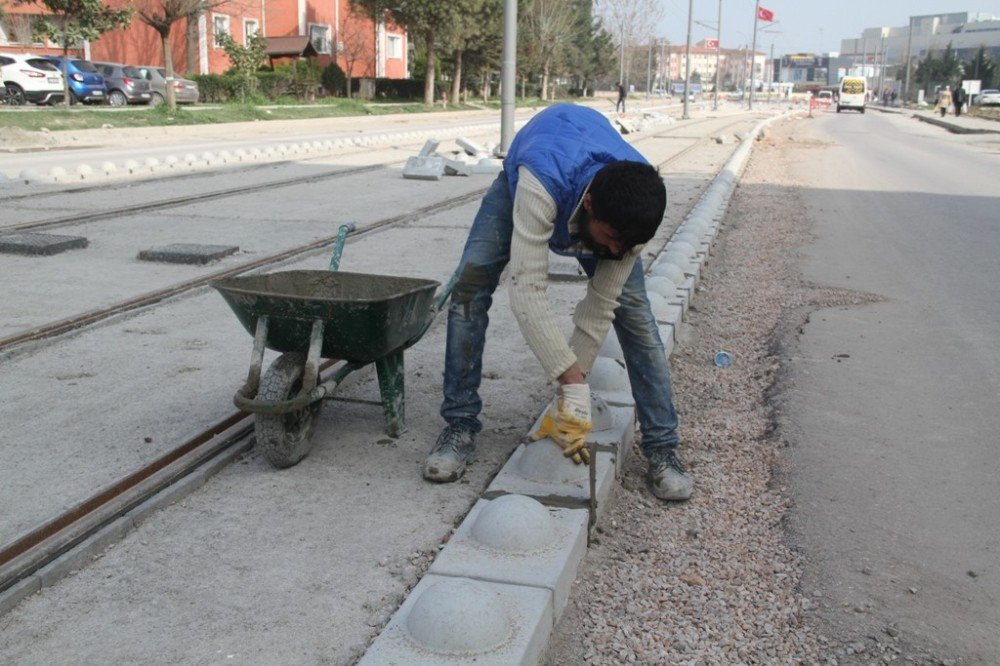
(508, 68)
(718, 54)
(753, 55)
(687, 62)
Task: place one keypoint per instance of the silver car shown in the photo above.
(185, 90)
(125, 85)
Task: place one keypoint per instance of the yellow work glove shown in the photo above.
(567, 422)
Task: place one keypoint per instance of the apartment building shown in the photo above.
(327, 30)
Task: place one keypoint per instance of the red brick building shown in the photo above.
(333, 31)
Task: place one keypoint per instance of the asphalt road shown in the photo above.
(891, 408)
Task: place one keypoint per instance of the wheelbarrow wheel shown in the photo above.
(285, 439)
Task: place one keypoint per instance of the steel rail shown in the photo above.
(92, 316)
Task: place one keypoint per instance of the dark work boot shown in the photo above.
(666, 474)
(454, 449)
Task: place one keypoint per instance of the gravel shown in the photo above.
(714, 580)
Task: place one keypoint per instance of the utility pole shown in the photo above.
(906, 61)
(649, 68)
(508, 69)
(718, 52)
(687, 62)
(753, 54)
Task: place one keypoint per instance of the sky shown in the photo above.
(803, 26)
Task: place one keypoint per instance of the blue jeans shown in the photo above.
(487, 251)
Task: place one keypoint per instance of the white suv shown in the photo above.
(29, 78)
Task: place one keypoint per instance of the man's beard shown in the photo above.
(600, 251)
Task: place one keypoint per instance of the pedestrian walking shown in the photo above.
(621, 98)
(959, 99)
(944, 100)
(571, 185)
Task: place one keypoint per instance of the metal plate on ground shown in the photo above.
(188, 253)
(40, 244)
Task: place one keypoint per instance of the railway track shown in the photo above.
(34, 550)
(90, 317)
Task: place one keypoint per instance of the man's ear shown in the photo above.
(586, 203)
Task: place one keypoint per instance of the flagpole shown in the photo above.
(718, 51)
(753, 54)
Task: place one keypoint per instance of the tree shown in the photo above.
(69, 22)
(352, 44)
(590, 52)
(982, 68)
(632, 21)
(245, 60)
(161, 15)
(476, 21)
(431, 23)
(939, 71)
(549, 27)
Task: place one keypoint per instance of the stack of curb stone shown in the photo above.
(429, 164)
(498, 587)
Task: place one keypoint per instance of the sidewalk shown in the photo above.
(956, 125)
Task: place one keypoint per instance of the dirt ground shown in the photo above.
(718, 579)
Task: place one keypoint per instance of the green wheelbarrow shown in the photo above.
(309, 315)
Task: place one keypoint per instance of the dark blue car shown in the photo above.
(85, 83)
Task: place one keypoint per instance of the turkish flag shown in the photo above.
(711, 43)
(765, 14)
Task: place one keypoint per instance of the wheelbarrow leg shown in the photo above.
(391, 386)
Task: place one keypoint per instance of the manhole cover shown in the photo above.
(35, 243)
(188, 253)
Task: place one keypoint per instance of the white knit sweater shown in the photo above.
(534, 219)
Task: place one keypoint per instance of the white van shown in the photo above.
(853, 93)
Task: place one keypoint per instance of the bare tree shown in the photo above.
(161, 15)
(551, 25)
(632, 22)
(353, 44)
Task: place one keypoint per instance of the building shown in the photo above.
(331, 30)
(734, 65)
(881, 53)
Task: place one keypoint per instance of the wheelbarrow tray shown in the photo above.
(365, 316)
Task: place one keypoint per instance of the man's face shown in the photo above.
(599, 236)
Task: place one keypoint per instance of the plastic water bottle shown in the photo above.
(723, 359)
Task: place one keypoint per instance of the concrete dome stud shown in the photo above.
(543, 461)
(611, 348)
(670, 270)
(682, 247)
(607, 375)
(459, 617)
(691, 237)
(658, 304)
(661, 285)
(679, 259)
(514, 524)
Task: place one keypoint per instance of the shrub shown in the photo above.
(334, 79)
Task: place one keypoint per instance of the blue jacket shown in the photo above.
(564, 146)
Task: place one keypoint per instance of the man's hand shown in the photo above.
(567, 422)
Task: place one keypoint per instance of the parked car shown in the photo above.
(125, 84)
(988, 97)
(185, 90)
(29, 78)
(85, 83)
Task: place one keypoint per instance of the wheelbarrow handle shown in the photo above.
(338, 245)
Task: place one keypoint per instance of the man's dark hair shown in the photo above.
(630, 197)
